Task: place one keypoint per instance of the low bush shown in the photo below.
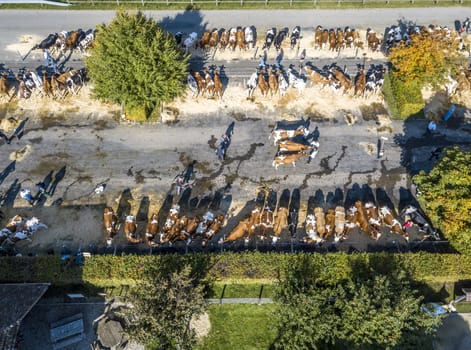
(404, 99)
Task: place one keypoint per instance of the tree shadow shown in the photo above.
(187, 22)
(419, 147)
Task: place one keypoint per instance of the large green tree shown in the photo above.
(163, 306)
(445, 196)
(370, 310)
(136, 63)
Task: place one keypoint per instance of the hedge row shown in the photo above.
(404, 99)
(108, 270)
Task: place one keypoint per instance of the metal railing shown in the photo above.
(266, 3)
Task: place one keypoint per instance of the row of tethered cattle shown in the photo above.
(272, 82)
(334, 39)
(320, 225)
(57, 85)
(29, 83)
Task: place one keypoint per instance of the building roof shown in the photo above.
(16, 300)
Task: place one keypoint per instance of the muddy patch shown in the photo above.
(21, 153)
(371, 112)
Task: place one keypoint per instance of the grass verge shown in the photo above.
(240, 327)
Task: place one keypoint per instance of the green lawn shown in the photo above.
(240, 327)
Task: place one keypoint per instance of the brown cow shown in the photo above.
(213, 228)
(329, 222)
(320, 222)
(15, 223)
(324, 38)
(316, 77)
(272, 82)
(339, 40)
(351, 220)
(240, 37)
(172, 218)
(339, 223)
(332, 40)
(281, 134)
(360, 82)
(111, 224)
(201, 82)
(388, 219)
(289, 158)
(344, 81)
(373, 218)
(242, 228)
(204, 41)
(266, 221)
(4, 84)
(254, 220)
(47, 89)
(214, 39)
(372, 40)
(130, 228)
(209, 82)
(224, 40)
(291, 146)
(281, 222)
(311, 230)
(318, 37)
(363, 221)
(152, 228)
(232, 38)
(262, 83)
(217, 85)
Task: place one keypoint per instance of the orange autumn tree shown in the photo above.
(427, 59)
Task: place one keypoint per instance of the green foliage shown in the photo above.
(250, 267)
(368, 310)
(163, 306)
(136, 63)
(404, 98)
(240, 327)
(446, 197)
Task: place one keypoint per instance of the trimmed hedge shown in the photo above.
(404, 99)
(251, 267)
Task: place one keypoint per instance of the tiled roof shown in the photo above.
(16, 300)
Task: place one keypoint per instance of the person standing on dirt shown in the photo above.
(26, 194)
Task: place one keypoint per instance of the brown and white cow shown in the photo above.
(130, 229)
(111, 224)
